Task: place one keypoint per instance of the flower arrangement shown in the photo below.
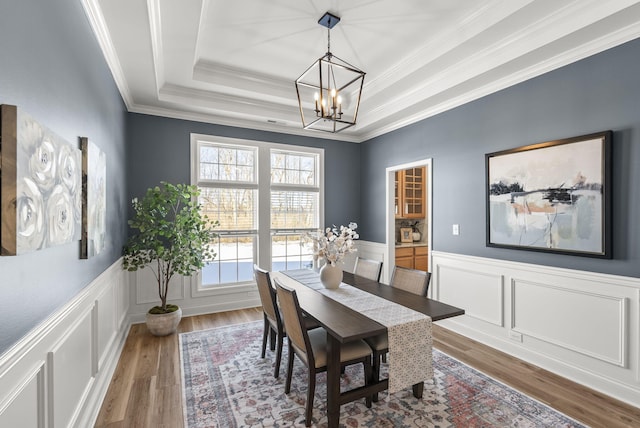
(334, 243)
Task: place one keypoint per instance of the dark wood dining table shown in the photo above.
(345, 325)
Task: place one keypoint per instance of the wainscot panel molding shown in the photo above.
(584, 326)
(185, 293)
(59, 373)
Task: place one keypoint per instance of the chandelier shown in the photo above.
(329, 90)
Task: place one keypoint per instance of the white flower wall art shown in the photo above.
(94, 199)
(40, 185)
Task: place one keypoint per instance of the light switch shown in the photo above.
(456, 229)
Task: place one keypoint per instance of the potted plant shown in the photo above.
(171, 237)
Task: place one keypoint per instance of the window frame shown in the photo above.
(263, 178)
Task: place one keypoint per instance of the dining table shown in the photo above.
(345, 324)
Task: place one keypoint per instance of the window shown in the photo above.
(294, 207)
(265, 196)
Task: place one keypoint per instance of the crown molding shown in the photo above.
(611, 40)
(258, 108)
(427, 82)
(240, 123)
(155, 32)
(477, 22)
(543, 32)
(98, 25)
(244, 80)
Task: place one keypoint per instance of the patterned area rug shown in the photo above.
(226, 384)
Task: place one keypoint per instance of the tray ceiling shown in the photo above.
(235, 62)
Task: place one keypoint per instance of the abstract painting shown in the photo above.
(94, 199)
(40, 185)
(552, 196)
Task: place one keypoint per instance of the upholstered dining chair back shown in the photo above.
(412, 280)
(368, 268)
(294, 322)
(267, 295)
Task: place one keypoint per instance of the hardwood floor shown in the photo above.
(145, 390)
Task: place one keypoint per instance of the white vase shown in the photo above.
(330, 276)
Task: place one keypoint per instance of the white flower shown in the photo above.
(334, 243)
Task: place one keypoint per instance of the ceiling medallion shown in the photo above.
(329, 90)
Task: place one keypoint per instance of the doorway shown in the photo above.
(392, 222)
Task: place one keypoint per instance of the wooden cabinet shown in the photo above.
(404, 257)
(413, 257)
(421, 258)
(410, 191)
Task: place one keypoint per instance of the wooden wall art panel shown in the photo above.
(40, 178)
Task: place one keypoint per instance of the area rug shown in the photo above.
(226, 384)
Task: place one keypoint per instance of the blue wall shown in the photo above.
(53, 69)
(160, 151)
(596, 94)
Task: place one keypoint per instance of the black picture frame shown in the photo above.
(552, 197)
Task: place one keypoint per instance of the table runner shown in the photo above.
(410, 333)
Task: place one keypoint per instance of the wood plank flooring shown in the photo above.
(145, 389)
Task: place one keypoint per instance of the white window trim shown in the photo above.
(264, 202)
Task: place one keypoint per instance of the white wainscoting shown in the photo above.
(193, 301)
(58, 375)
(184, 292)
(581, 325)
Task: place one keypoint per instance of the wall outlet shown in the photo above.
(515, 336)
(456, 229)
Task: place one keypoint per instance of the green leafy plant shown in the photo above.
(171, 236)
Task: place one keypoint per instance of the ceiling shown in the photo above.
(235, 62)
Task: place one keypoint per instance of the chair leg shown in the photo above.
(267, 327)
(273, 339)
(375, 373)
(311, 392)
(276, 372)
(287, 385)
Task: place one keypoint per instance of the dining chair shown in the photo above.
(273, 326)
(368, 268)
(272, 320)
(311, 348)
(411, 280)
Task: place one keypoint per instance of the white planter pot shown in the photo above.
(163, 324)
(330, 276)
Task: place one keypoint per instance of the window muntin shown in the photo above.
(227, 163)
(293, 168)
(288, 251)
(265, 196)
(233, 263)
